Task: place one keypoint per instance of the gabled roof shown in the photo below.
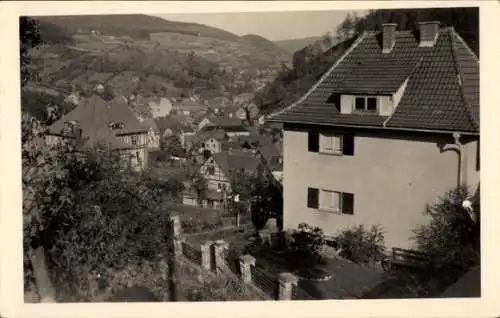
(201, 137)
(94, 115)
(231, 161)
(191, 106)
(442, 92)
(150, 123)
(225, 122)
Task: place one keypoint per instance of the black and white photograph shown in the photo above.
(251, 156)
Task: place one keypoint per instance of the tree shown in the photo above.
(82, 216)
(451, 234)
(29, 37)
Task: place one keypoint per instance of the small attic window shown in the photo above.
(115, 126)
(366, 104)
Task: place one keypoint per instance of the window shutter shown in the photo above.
(347, 203)
(313, 141)
(312, 198)
(348, 144)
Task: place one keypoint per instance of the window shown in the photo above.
(211, 170)
(330, 201)
(134, 140)
(331, 143)
(219, 186)
(366, 104)
(115, 126)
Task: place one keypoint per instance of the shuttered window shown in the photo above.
(348, 144)
(313, 141)
(347, 203)
(342, 144)
(312, 198)
(330, 201)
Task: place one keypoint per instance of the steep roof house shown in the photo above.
(230, 124)
(190, 108)
(109, 125)
(219, 169)
(390, 127)
(212, 141)
(261, 146)
(153, 138)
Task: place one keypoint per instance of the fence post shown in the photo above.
(220, 246)
(175, 252)
(246, 263)
(176, 225)
(206, 254)
(286, 283)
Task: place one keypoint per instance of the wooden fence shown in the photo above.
(191, 253)
(266, 281)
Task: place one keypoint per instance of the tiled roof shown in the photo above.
(234, 160)
(226, 122)
(94, 115)
(203, 136)
(191, 106)
(436, 98)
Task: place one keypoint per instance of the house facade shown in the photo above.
(110, 126)
(389, 128)
(218, 171)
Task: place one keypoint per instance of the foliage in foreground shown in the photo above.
(308, 239)
(361, 245)
(221, 288)
(86, 215)
(451, 235)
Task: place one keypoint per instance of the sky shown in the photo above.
(271, 25)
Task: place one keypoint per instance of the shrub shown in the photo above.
(451, 235)
(308, 239)
(362, 246)
(220, 289)
(115, 222)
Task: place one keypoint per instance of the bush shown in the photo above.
(192, 226)
(115, 222)
(362, 246)
(451, 235)
(220, 289)
(308, 239)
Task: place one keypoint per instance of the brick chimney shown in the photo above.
(388, 36)
(429, 31)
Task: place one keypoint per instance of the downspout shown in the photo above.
(458, 147)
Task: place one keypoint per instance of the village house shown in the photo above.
(230, 124)
(262, 147)
(105, 126)
(189, 107)
(389, 128)
(186, 137)
(208, 142)
(218, 171)
(153, 138)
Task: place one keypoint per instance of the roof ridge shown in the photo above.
(461, 40)
(325, 75)
(458, 69)
(412, 71)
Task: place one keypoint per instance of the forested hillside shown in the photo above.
(310, 64)
(137, 26)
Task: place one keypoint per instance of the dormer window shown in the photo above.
(115, 126)
(366, 104)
